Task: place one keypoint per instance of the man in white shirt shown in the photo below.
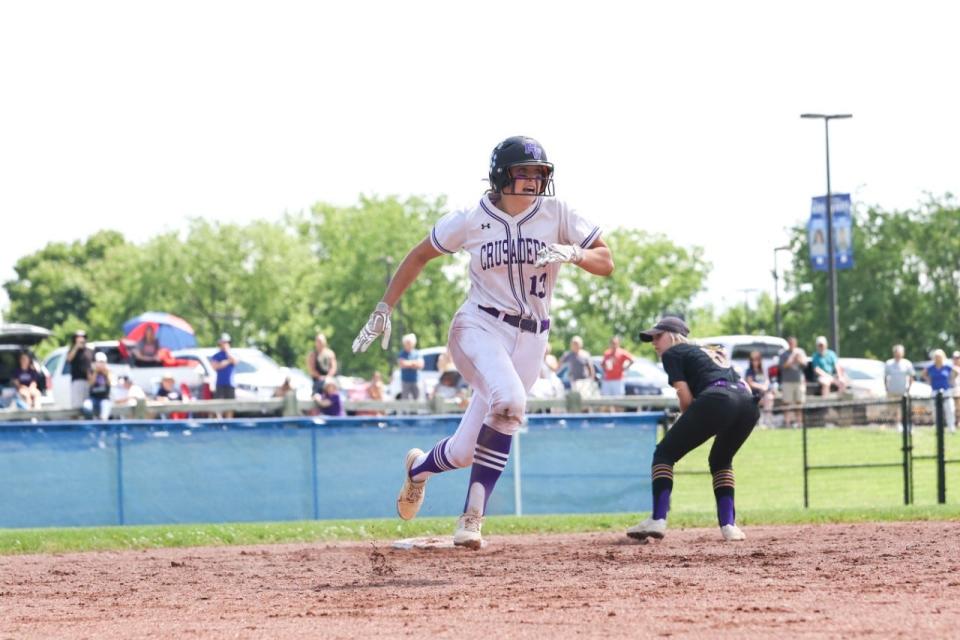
(898, 374)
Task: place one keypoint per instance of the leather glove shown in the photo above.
(559, 253)
(379, 322)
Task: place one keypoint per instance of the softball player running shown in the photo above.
(713, 402)
(517, 237)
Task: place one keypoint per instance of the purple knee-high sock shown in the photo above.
(723, 492)
(662, 487)
(436, 461)
(489, 459)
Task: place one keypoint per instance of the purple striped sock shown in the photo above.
(489, 459)
(723, 490)
(436, 462)
(662, 475)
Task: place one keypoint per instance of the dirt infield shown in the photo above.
(878, 580)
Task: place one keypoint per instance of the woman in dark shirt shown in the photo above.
(713, 402)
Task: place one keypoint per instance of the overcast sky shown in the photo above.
(680, 118)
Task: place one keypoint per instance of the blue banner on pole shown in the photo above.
(842, 232)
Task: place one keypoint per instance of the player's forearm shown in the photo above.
(408, 271)
(597, 260)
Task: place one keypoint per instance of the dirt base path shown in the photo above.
(876, 580)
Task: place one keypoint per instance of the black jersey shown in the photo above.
(697, 366)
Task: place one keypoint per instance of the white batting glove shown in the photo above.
(558, 253)
(379, 322)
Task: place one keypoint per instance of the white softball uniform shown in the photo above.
(500, 360)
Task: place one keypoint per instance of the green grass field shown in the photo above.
(769, 472)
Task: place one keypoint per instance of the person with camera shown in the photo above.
(100, 380)
(80, 358)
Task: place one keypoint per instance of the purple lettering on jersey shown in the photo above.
(507, 252)
(532, 149)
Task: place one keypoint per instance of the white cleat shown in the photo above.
(649, 528)
(468, 530)
(411, 493)
(732, 533)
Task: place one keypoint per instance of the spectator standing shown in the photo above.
(98, 404)
(410, 362)
(759, 383)
(828, 369)
(224, 363)
(942, 376)
(146, 353)
(329, 401)
(80, 358)
(793, 385)
(898, 374)
(579, 368)
(615, 361)
(27, 380)
(321, 363)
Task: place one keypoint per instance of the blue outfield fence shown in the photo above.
(154, 472)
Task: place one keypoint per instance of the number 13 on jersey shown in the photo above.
(538, 285)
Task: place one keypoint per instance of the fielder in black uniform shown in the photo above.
(713, 402)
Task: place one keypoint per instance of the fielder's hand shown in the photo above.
(558, 253)
(379, 322)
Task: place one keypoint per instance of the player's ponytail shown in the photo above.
(677, 338)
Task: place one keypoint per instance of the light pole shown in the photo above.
(831, 259)
(776, 290)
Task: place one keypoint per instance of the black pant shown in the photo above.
(225, 393)
(728, 414)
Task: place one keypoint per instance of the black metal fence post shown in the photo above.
(906, 429)
(806, 467)
(941, 453)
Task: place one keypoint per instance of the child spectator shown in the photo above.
(329, 401)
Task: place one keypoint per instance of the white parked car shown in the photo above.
(147, 378)
(866, 380)
(256, 375)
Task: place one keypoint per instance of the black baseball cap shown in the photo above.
(673, 324)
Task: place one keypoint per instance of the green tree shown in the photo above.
(247, 280)
(651, 276)
(904, 287)
(356, 249)
(56, 286)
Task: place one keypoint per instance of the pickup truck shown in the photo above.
(147, 378)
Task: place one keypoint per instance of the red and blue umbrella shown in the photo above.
(172, 332)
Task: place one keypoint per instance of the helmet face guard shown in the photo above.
(518, 151)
